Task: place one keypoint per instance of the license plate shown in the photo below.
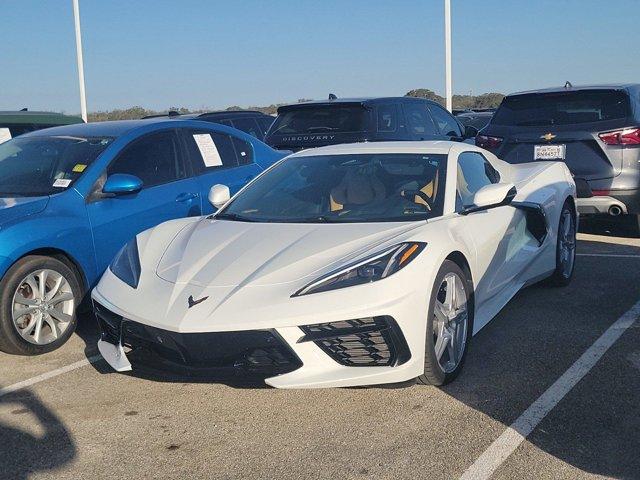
(549, 152)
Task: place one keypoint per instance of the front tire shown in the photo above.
(565, 247)
(449, 325)
(38, 299)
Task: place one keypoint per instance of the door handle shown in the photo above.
(185, 197)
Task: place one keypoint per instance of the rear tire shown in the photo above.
(565, 247)
(449, 325)
(31, 322)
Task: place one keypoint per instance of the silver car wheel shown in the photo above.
(566, 243)
(43, 306)
(450, 322)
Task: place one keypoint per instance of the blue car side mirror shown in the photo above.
(121, 184)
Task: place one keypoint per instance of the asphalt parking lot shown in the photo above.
(88, 422)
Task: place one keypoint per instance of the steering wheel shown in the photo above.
(409, 194)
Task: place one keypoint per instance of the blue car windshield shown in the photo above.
(44, 165)
(344, 188)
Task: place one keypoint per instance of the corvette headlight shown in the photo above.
(126, 264)
(370, 269)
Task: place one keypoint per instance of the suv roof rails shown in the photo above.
(231, 112)
(170, 113)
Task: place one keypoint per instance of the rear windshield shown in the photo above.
(321, 119)
(562, 108)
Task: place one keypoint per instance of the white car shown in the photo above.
(344, 265)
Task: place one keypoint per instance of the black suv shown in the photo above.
(350, 120)
(595, 130)
(252, 122)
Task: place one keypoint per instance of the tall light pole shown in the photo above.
(83, 97)
(447, 54)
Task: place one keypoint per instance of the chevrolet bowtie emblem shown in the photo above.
(193, 303)
(548, 136)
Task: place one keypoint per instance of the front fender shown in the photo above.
(62, 229)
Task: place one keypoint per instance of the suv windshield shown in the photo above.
(344, 188)
(321, 119)
(562, 108)
(34, 166)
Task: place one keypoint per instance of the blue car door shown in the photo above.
(219, 158)
(169, 191)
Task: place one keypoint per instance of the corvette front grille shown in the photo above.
(255, 351)
(362, 342)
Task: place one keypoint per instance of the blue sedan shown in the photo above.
(72, 196)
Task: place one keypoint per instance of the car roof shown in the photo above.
(435, 146)
(605, 86)
(216, 113)
(358, 100)
(475, 114)
(42, 118)
(113, 128)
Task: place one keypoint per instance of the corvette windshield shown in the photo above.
(345, 188)
(34, 166)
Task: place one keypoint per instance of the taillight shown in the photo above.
(627, 136)
(601, 193)
(490, 143)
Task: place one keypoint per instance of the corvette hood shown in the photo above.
(14, 208)
(217, 253)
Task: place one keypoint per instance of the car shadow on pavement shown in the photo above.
(536, 338)
(609, 226)
(47, 445)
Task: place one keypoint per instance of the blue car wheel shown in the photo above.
(37, 305)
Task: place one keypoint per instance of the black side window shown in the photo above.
(265, 123)
(154, 158)
(474, 172)
(387, 118)
(419, 120)
(445, 122)
(244, 151)
(247, 125)
(213, 150)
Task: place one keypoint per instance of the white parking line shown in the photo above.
(610, 255)
(512, 437)
(48, 375)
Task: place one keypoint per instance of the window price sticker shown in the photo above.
(208, 150)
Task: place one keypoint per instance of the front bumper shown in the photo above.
(260, 352)
(312, 359)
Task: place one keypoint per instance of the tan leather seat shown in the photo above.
(430, 189)
(356, 189)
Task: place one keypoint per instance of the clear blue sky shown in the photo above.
(216, 53)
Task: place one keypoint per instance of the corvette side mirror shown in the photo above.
(219, 195)
(491, 196)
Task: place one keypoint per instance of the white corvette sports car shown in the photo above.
(344, 265)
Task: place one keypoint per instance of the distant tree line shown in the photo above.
(486, 100)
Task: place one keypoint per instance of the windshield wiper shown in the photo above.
(234, 217)
(536, 123)
(327, 129)
(316, 219)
